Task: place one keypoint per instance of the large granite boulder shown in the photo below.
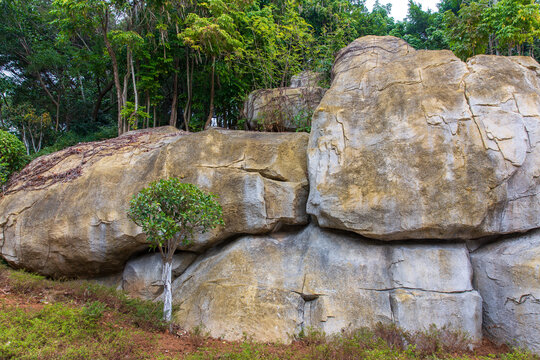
(307, 79)
(282, 109)
(418, 144)
(65, 214)
(270, 287)
(507, 275)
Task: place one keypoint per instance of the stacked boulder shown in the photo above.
(413, 201)
(285, 108)
(418, 145)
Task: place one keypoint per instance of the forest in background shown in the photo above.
(82, 70)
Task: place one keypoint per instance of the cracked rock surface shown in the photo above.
(66, 216)
(286, 108)
(142, 275)
(413, 144)
(272, 285)
(507, 275)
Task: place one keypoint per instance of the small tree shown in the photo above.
(170, 213)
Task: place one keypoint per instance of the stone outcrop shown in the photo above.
(419, 147)
(72, 219)
(282, 109)
(285, 108)
(271, 286)
(307, 79)
(413, 144)
(142, 275)
(507, 275)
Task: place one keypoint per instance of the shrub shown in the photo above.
(12, 155)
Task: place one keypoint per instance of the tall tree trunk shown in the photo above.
(99, 100)
(211, 113)
(57, 113)
(82, 87)
(147, 119)
(135, 93)
(26, 142)
(174, 106)
(55, 102)
(125, 127)
(189, 81)
(116, 73)
(154, 116)
(166, 275)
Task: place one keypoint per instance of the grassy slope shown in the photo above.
(44, 319)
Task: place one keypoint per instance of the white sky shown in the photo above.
(400, 7)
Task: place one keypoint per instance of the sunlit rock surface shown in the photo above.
(65, 214)
(418, 144)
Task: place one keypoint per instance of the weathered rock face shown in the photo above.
(72, 219)
(418, 144)
(307, 79)
(271, 286)
(282, 109)
(507, 275)
(142, 276)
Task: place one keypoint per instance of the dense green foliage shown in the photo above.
(79, 66)
(12, 155)
(170, 212)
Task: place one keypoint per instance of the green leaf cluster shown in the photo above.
(501, 27)
(171, 212)
(12, 155)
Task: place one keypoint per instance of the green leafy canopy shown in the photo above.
(171, 210)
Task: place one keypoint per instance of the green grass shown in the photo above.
(145, 314)
(58, 331)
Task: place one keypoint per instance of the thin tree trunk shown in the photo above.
(147, 119)
(167, 291)
(55, 102)
(99, 100)
(174, 105)
(125, 127)
(154, 116)
(25, 140)
(116, 73)
(82, 88)
(135, 93)
(189, 81)
(57, 113)
(211, 113)
(40, 134)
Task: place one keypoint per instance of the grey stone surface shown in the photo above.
(507, 275)
(274, 285)
(142, 275)
(306, 79)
